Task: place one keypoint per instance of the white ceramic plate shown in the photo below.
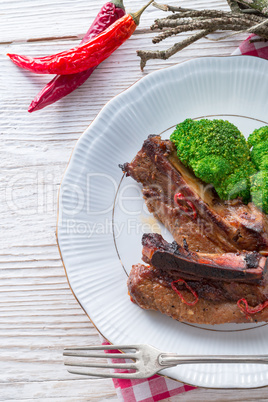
(102, 216)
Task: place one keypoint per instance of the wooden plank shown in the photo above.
(34, 20)
(94, 390)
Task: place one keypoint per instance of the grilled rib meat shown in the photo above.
(216, 305)
(218, 292)
(247, 267)
(198, 215)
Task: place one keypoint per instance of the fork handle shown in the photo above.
(169, 359)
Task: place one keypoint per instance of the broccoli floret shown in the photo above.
(259, 151)
(218, 154)
(259, 190)
(237, 184)
(264, 163)
(183, 138)
(211, 170)
(196, 139)
(259, 156)
(258, 135)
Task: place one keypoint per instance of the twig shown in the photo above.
(240, 20)
(261, 24)
(165, 54)
(159, 24)
(165, 7)
(210, 25)
(252, 6)
(255, 40)
(196, 14)
(254, 29)
(234, 6)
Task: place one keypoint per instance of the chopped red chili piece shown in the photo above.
(189, 288)
(190, 209)
(243, 306)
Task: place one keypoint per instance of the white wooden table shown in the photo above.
(39, 315)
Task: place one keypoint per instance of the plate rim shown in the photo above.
(68, 167)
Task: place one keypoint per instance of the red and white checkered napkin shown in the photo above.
(155, 388)
(151, 389)
(158, 388)
(253, 47)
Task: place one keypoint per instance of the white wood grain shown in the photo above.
(30, 20)
(39, 315)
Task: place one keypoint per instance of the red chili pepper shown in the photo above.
(180, 196)
(247, 311)
(62, 85)
(189, 288)
(86, 56)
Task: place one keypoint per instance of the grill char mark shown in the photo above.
(248, 267)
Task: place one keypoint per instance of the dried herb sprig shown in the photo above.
(245, 16)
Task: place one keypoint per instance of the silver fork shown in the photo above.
(147, 360)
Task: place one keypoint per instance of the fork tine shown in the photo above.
(108, 375)
(127, 366)
(102, 355)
